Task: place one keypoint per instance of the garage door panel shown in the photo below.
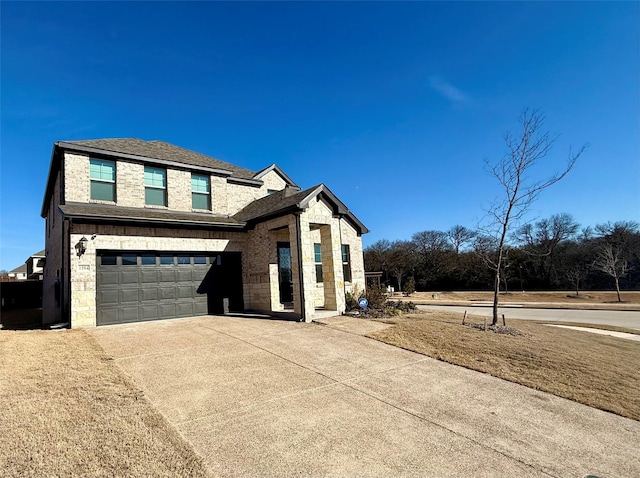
(108, 297)
(166, 311)
(108, 316)
(184, 309)
(167, 293)
(129, 276)
(167, 275)
(147, 291)
(108, 277)
(148, 276)
(129, 295)
(149, 312)
(200, 308)
(185, 292)
(198, 274)
(183, 274)
(129, 314)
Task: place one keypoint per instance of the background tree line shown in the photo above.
(551, 254)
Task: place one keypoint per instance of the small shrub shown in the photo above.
(377, 297)
(410, 286)
(396, 308)
(378, 305)
(351, 301)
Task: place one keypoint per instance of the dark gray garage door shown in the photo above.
(139, 286)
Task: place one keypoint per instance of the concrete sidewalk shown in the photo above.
(275, 398)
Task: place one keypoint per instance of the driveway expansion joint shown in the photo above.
(370, 395)
(295, 351)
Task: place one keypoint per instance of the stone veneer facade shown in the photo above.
(76, 276)
(227, 198)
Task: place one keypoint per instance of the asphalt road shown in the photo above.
(619, 318)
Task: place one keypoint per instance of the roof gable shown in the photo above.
(289, 200)
(275, 168)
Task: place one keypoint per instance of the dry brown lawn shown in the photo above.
(597, 370)
(585, 298)
(67, 410)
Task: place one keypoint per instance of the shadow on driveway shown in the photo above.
(21, 319)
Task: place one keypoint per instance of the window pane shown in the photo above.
(184, 259)
(317, 250)
(345, 253)
(103, 191)
(346, 263)
(109, 260)
(199, 183)
(148, 259)
(155, 177)
(166, 259)
(200, 201)
(129, 259)
(346, 271)
(199, 260)
(318, 272)
(100, 169)
(155, 197)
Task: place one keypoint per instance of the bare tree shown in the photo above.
(611, 262)
(459, 236)
(575, 275)
(513, 172)
(401, 260)
(376, 257)
(431, 247)
(430, 241)
(542, 240)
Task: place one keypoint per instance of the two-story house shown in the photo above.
(34, 265)
(144, 230)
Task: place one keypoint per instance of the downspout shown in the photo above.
(66, 283)
(303, 314)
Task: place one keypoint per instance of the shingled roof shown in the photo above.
(289, 200)
(156, 150)
(107, 212)
(275, 204)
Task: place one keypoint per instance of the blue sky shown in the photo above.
(395, 106)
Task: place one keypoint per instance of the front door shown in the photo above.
(285, 277)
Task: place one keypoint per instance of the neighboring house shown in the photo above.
(143, 230)
(19, 273)
(35, 266)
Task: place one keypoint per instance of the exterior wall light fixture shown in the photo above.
(81, 246)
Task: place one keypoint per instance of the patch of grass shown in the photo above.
(597, 370)
(67, 410)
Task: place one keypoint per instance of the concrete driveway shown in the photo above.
(276, 398)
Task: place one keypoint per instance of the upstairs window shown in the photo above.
(103, 179)
(155, 186)
(317, 253)
(346, 262)
(200, 192)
